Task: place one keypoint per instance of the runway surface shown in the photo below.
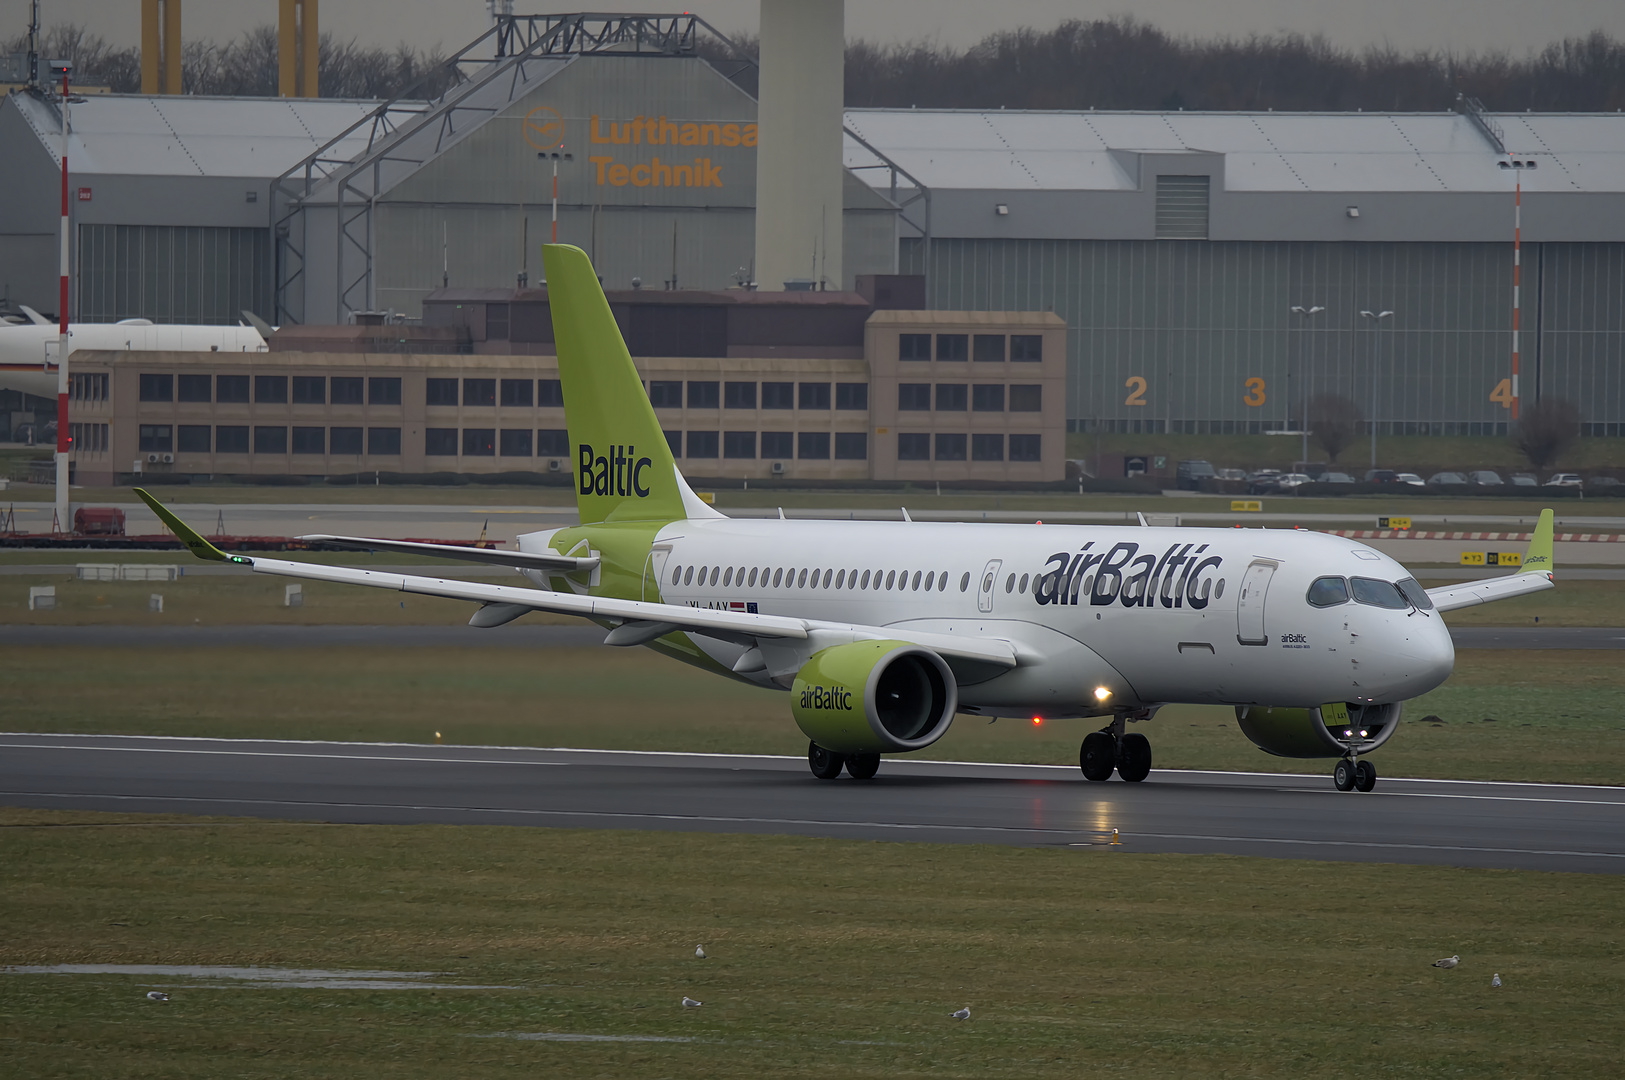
(1514, 826)
(577, 634)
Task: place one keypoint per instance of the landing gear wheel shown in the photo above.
(1098, 756)
(825, 764)
(1343, 775)
(1134, 757)
(1365, 776)
(862, 766)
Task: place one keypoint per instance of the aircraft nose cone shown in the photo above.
(1431, 655)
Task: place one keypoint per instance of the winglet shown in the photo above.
(1538, 559)
(198, 546)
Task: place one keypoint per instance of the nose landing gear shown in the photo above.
(1109, 748)
(1351, 775)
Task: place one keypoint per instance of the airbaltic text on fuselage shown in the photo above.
(826, 697)
(1179, 577)
(619, 472)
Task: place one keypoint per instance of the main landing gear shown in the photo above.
(1111, 747)
(827, 764)
(1351, 775)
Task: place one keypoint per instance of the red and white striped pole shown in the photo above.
(556, 193)
(1517, 278)
(63, 442)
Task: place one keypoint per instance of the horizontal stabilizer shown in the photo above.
(520, 559)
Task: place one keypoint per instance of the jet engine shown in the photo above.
(1329, 731)
(871, 697)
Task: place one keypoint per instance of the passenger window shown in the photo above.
(801, 583)
(1328, 592)
(827, 574)
(778, 575)
(964, 582)
(688, 578)
(1417, 595)
(677, 576)
(1021, 586)
(1010, 584)
(1383, 594)
(929, 579)
(752, 577)
(891, 576)
(942, 581)
(840, 580)
(865, 584)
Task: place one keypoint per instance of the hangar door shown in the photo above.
(173, 273)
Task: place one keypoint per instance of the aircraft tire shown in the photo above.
(1365, 776)
(1097, 756)
(1343, 775)
(862, 766)
(825, 764)
(1134, 757)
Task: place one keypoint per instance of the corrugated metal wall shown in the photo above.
(172, 273)
(1165, 335)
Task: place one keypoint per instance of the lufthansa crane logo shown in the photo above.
(544, 128)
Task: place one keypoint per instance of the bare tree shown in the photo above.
(1334, 421)
(1545, 430)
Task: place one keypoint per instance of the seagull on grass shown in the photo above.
(157, 995)
(699, 952)
(1447, 962)
(1496, 981)
(690, 1003)
(963, 1014)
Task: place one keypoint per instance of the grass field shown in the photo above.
(826, 958)
(1547, 716)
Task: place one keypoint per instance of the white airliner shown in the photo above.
(883, 631)
(28, 350)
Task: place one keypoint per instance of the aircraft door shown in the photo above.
(984, 591)
(654, 573)
(1255, 586)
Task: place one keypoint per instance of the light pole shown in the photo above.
(1306, 314)
(63, 436)
(554, 156)
(1375, 318)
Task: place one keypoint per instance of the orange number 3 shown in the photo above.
(1255, 391)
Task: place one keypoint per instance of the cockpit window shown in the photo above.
(1417, 595)
(1383, 594)
(1329, 592)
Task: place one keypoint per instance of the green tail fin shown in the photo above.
(1538, 559)
(624, 470)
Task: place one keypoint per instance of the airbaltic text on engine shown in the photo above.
(826, 697)
(615, 473)
(1133, 581)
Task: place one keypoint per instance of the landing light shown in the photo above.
(1101, 693)
(1362, 733)
(1349, 734)
(1037, 720)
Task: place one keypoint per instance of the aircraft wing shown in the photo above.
(518, 559)
(1536, 575)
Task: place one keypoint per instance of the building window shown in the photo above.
(440, 391)
(270, 440)
(309, 440)
(739, 444)
(383, 441)
(739, 395)
(815, 395)
(1027, 348)
(552, 442)
(663, 394)
(440, 441)
(1182, 207)
(852, 395)
(702, 444)
(347, 389)
(230, 390)
(386, 390)
(953, 346)
(496, 323)
(674, 441)
(950, 397)
(702, 394)
(913, 446)
(778, 395)
(914, 397)
(987, 447)
(194, 388)
(517, 392)
(988, 398)
(93, 387)
(309, 390)
(192, 438)
(516, 441)
(913, 346)
(812, 445)
(271, 389)
(851, 446)
(345, 441)
(155, 437)
(92, 438)
(549, 393)
(950, 447)
(480, 442)
(479, 393)
(1025, 448)
(1027, 397)
(988, 348)
(778, 444)
(231, 439)
(157, 388)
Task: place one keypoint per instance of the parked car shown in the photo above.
(1263, 481)
(1192, 473)
(1335, 478)
(1523, 479)
(1484, 477)
(1604, 484)
(1232, 474)
(1446, 479)
(1291, 481)
(1409, 478)
(1381, 476)
(1564, 479)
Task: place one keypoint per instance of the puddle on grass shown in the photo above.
(271, 977)
(561, 1036)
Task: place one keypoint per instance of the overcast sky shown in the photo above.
(1460, 25)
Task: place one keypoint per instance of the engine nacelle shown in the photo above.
(1324, 731)
(871, 697)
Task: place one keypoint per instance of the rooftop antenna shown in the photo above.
(33, 45)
